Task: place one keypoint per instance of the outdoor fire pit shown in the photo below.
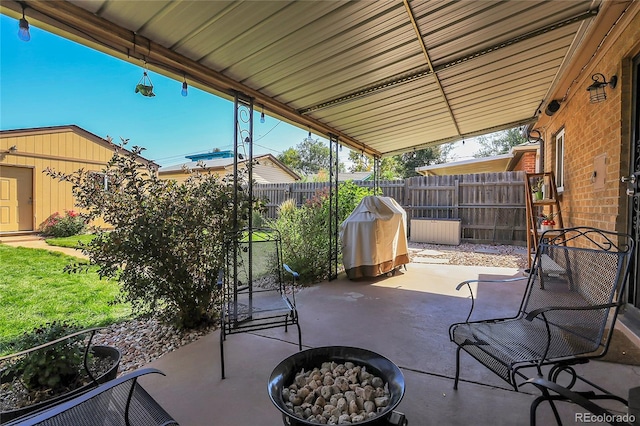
(285, 373)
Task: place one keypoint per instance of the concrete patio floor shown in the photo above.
(404, 318)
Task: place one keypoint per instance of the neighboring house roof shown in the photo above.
(73, 128)
(496, 163)
(353, 176)
(223, 163)
(342, 176)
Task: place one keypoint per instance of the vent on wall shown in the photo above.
(436, 231)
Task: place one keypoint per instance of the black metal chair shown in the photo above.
(119, 402)
(254, 293)
(595, 412)
(574, 291)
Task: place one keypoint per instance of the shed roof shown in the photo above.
(383, 76)
(75, 129)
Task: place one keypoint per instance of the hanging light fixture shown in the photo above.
(145, 86)
(184, 88)
(597, 91)
(23, 27)
(262, 119)
(309, 138)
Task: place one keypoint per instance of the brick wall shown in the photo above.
(527, 163)
(592, 130)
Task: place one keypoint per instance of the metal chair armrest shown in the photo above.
(468, 284)
(291, 271)
(531, 315)
(41, 416)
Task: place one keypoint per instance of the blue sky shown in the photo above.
(51, 81)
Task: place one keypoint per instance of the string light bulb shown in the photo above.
(23, 28)
(185, 87)
(262, 119)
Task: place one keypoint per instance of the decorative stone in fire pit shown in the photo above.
(337, 385)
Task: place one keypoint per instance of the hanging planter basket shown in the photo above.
(145, 87)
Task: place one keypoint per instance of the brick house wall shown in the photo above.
(527, 163)
(594, 131)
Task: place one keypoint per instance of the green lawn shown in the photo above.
(71, 242)
(35, 290)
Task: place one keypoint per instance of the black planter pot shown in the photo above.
(104, 352)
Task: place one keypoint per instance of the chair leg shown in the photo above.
(299, 336)
(455, 383)
(222, 350)
(546, 396)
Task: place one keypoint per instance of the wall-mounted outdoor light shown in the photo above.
(23, 27)
(552, 107)
(597, 91)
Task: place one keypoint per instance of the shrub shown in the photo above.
(305, 229)
(54, 368)
(166, 247)
(71, 223)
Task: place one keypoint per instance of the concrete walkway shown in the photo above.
(36, 242)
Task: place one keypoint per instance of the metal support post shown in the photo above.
(333, 207)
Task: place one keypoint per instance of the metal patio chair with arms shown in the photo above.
(566, 317)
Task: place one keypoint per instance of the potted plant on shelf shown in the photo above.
(537, 189)
(52, 363)
(546, 222)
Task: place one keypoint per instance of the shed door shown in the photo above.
(16, 202)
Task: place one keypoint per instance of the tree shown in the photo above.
(389, 168)
(165, 248)
(359, 162)
(499, 142)
(291, 158)
(409, 161)
(309, 156)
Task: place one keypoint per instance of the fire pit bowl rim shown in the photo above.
(284, 374)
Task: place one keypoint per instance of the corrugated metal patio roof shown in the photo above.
(384, 76)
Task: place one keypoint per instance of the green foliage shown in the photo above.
(311, 156)
(305, 229)
(359, 162)
(291, 158)
(55, 367)
(166, 247)
(390, 168)
(499, 142)
(57, 225)
(409, 161)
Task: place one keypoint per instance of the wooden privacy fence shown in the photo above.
(490, 206)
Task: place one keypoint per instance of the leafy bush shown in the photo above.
(55, 368)
(305, 229)
(166, 247)
(56, 225)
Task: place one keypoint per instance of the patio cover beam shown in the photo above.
(98, 33)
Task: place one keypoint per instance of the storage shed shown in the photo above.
(27, 195)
